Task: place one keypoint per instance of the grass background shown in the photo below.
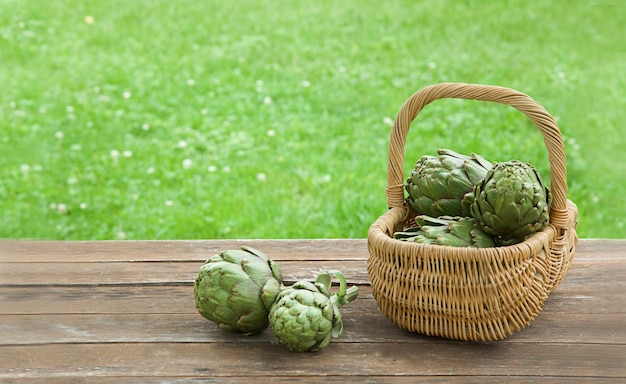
(152, 119)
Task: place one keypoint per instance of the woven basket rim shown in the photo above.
(396, 215)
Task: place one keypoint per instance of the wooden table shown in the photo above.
(124, 312)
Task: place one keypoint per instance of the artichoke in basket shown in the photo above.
(305, 317)
(447, 230)
(443, 185)
(511, 202)
(236, 289)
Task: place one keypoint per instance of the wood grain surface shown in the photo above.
(124, 312)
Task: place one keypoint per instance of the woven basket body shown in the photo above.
(460, 292)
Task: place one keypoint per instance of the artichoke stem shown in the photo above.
(351, 294)
(343, 296)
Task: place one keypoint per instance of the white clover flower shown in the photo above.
(58, 134)
(69, 109)
(89, 19)
(191, 82)
(387, 120)
(76, 147)
(150, 170)
(115, 154)
(62, 209)
(121, 235)
(145, 126)
(226, 169)
(261, 176)
(306, 83)
(127, 95)
(25, 168)
(72, 180)
(326, 178)
(432, 65)
(271, 133)
(267, 100)
(127, 153)
(212, 168)
(83, 206)
(187, 163)
(571, 141)
(169, 203)
(182, 144)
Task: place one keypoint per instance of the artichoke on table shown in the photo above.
(236, 289)
(511, 202)
(443, 185)
(305, 316)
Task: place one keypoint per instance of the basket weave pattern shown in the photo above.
(460, 292)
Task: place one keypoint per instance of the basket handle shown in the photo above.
(522, 102)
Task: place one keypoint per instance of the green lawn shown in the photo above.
(151, 119)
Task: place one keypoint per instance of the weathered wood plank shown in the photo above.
(608, 272)
(316, 379)
(360, 326)
(602, 248)
(200, 250)
(576, 294)
(261, 359)
(164, 273)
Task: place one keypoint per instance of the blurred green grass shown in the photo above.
(191, 119)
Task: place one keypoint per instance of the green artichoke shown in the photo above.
(511, 202)
(305, 316)
(447, 230)
(443, 185)
(236, 289)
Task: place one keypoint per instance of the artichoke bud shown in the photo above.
(511, 202)
(236, 289)
(437, 186)
(305, 316)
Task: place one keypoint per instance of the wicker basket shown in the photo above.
(460, 292)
